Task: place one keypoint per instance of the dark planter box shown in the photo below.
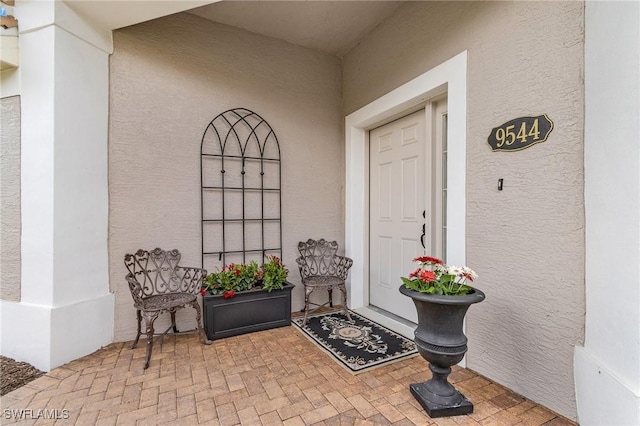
(246, 312)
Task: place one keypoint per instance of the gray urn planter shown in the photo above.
(442, 343)
(246, 311)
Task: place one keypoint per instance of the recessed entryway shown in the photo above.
(407, 201)
(447, 233)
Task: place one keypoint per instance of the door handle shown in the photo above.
(424, 229)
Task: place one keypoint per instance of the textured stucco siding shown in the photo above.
(527, 241)
(169, 78)
(10, 198)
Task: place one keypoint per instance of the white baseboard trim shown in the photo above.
(48, 337)
(602, 398)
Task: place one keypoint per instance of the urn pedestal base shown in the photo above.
(441, 341)
(454, 405)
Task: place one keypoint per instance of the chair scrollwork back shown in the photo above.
(319, 258)
(157, 272)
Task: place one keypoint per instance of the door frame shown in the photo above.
(450, 77)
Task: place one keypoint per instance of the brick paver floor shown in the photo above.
(272, 377)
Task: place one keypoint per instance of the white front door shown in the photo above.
(397, 189)
(407, 195)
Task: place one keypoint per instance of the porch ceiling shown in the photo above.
(334, 27)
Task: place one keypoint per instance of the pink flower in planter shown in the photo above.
(228, 294)
(203, 291)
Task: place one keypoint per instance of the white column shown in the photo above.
(66, 309)
(607, 367)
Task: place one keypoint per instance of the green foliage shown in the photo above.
(436, 287)
(221, 281)
(275, 274)
(246, 278)
(243, 277)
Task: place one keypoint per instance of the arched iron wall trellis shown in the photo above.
(240, 175)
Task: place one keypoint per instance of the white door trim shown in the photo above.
(450, 76)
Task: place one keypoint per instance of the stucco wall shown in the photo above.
(10, 198)
(169, 78)
(527, 241)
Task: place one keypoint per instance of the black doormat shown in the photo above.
(359, 344)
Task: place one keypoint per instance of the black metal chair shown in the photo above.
(321, 268)
(159, 285)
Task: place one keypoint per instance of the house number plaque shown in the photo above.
(520, 133)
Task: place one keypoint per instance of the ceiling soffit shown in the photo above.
(333, 27)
